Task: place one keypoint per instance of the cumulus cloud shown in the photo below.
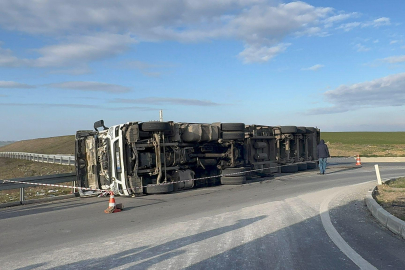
(170, 101)
(314, 67)
(386, 91)
(90, 86)
(260, 24)
(14, 85)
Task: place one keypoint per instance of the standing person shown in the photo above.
(323, 154)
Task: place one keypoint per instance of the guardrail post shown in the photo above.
(42, 158)
(61, 158)
(53, 159)
(47, 159)
(68, 160)
(21, 195)
(377, 172)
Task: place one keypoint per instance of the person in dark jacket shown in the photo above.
(323, 154)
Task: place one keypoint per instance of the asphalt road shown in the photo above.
(297, 221)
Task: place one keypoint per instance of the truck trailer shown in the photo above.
(139, 158)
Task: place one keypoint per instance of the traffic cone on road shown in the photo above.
(112, 206)
(358, 161)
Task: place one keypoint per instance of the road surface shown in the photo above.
(297, 221)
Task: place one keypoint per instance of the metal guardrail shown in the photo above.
(46, 179)
(55, 159)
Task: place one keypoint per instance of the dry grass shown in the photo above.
(367, 144)
(338, 149)
(16, 168)
(54, 145)
(391, 197)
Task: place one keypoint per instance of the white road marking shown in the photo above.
(337, 238)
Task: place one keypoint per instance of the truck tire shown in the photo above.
(301, 130)
(311, 165)
(302, 166)
(233, 127)
(233, 135)
(232, 172)
(288, 129)
(159, 189)
(311, 129)
(289, 168)
(155, 126)
(235, 180)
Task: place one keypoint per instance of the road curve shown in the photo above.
(280, 223)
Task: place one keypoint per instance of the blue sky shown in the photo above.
(337, 65)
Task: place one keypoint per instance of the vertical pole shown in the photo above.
(60, 159)
(377, 172)
(161, 115)
(42, 158)
(21, 195)
(68, 160)
(53, 159)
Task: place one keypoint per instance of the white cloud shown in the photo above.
(14, 85)
(393, 42)
(383, 21)
(361, 48)
(340, 17)
(91, 86)
(259, 24)
(382, 92)
(394, 59)
(76, 52)
(349, 26)
(7, 59)
(314, 67)
(170, 101)
(261, 54)
(83, 50)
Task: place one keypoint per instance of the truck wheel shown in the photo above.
(233, 135)
(302, 166)
(155, 126)
(289, 168)
(311, 165)
(234, 180)
(232, 172)
(301, 130)
(311, 129)
(159, 189)
(288, 129)
(233, 127)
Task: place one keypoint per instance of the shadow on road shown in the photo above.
(151, 255)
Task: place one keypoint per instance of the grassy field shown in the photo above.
(17, 168)
(54, 145)
(391, 197)
(367, 144)
(364, 138)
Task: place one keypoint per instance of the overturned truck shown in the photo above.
(154, 157)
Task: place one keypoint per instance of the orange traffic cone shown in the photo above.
(112, 207)
(358, 162)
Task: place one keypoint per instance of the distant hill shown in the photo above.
(2, 143)
(54, 145)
